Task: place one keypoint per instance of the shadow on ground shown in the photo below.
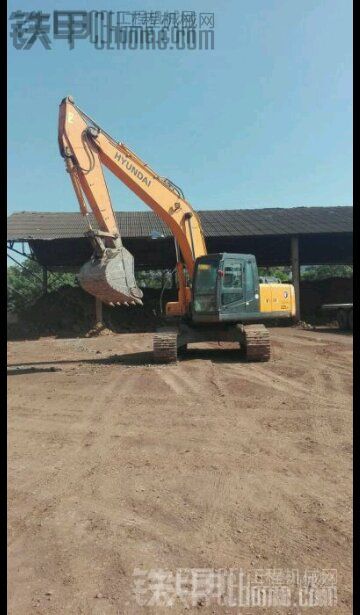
(217, 355)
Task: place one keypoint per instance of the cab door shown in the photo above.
(233, 290)
(252, 286)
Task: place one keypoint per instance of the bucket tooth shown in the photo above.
(126, 303)
(111, 303)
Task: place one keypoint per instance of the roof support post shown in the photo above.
(98, 311)
(295, 268)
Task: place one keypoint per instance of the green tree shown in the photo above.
(320, 272)
(24, 284)
(281, 273)
(154, 278)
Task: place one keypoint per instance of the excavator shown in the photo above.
(219, 297)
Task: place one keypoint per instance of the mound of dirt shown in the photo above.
(71, 311)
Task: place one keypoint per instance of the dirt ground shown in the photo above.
(117, 464)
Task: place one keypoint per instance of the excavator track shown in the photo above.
(165, 346)
(255, 342)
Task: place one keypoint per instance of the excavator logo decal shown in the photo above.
(132, 168)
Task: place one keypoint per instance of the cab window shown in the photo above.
(233, 275)
(206, 277)
(232, 282)
(205, 287)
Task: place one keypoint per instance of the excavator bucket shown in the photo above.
(111, 278)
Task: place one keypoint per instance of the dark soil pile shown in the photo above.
(70, 311)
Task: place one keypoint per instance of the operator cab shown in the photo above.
(225, 288)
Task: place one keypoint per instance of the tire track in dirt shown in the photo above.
(178, 382)
(220, 387)
(183, 381)
(331, 385)
(260, 375)
(340, 365)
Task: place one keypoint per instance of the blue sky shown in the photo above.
(263, 120)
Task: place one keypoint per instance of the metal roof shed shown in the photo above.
(277, 236)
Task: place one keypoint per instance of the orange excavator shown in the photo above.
(219, 295)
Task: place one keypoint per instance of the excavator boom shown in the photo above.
(226, 301)
(85, 148)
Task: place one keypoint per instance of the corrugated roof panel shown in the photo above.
(216, 223)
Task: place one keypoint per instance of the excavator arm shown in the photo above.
(230, 297)
(85, 148)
